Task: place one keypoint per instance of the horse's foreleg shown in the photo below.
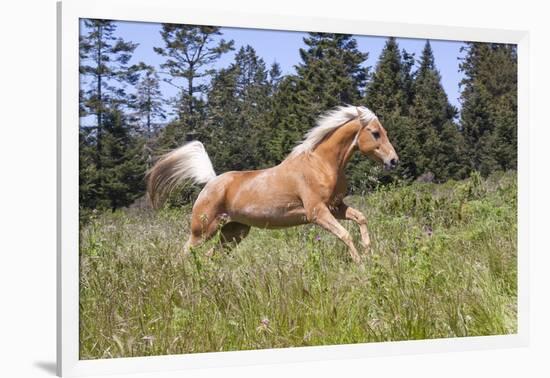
(346, 212)
(322, 216)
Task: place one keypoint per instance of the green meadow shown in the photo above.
(442, 264)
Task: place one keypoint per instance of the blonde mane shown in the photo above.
(329, 122)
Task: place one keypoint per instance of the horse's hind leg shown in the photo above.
(193, 241)
(204, 225)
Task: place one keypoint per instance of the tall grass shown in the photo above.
(443, 264)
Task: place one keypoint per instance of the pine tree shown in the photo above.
(104, 63)
(238, 102)
(149, 102)
(123, 163)
(288, 118)
(190, 52)
(450, 158)
(105, 72)
(117, 179)
(331, 70)
(437, 138)
(386, 94)
(275, 77)
(330, 73)
(489, 106)
(88, 178)
(408, 61)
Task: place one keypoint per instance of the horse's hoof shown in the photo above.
(366, 250)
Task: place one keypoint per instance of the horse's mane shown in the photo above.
(329, 122)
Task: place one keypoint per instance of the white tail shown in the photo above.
(189, 162)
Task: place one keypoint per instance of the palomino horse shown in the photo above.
(307, 187)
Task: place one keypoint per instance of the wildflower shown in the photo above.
(264, 326)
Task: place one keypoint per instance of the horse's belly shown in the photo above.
(264, 199)
(269, 217)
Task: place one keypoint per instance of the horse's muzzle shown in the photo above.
(391, 164)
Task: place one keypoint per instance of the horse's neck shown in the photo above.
(338, 148)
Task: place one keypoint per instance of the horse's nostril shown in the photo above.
(393, 162)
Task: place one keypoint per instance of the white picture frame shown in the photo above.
(69, 13)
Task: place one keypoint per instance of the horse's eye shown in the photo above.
(376, 134)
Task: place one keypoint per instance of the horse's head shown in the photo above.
(373, 141)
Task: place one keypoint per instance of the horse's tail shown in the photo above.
(189, 162)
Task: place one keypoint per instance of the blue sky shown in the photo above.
(283, 46)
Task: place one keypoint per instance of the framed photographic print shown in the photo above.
(243, 188)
